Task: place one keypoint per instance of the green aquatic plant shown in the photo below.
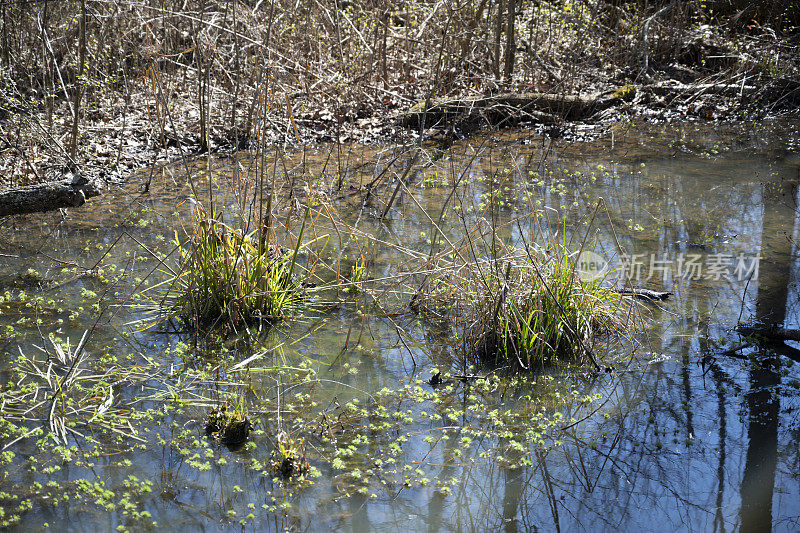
(357, 273)
(229, 426)
(521, 305)
(539, 311)
(290, 456)
(228, 277)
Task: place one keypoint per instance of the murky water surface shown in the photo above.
(686, 433)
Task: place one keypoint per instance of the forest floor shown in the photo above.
(704, 74)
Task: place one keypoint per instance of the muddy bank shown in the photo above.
(121, 140)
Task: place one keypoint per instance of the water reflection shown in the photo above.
(763, 398)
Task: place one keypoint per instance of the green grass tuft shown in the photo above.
(538, 311)
(229, 278)
(523, 308)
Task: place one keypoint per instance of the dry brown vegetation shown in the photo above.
(111, 86)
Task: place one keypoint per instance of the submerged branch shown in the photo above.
(771, 333)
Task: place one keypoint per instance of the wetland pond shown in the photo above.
(686, 426)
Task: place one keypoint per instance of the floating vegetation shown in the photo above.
(231, 278)
(390, 439)
(367, 445)
(32, 278)
(360, 411)
(61, 390)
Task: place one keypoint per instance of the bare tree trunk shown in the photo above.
(511, 44)
(202, 87)
(466, 41)
(76, 107)
(498, 32)
(384, 40)
(6, 54)
(48, 79)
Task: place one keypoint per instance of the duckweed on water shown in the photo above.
(392, 439)
(308, 429)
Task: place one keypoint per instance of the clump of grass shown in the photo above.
(290, 456)
(357, 273)
(521, 308)
(539, 311)
(228, 277)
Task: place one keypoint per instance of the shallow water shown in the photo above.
(678, 436)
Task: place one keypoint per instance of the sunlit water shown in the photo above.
(681, 435)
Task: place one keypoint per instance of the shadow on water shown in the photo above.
(689, 433)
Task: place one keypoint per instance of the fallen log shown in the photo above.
(510, 108)
(644, 294)
(772, 333)
(550, 108)
(676, 88)
(69, 192)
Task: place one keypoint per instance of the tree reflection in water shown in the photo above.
(763, 399)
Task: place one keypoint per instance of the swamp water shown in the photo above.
(676, 434)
